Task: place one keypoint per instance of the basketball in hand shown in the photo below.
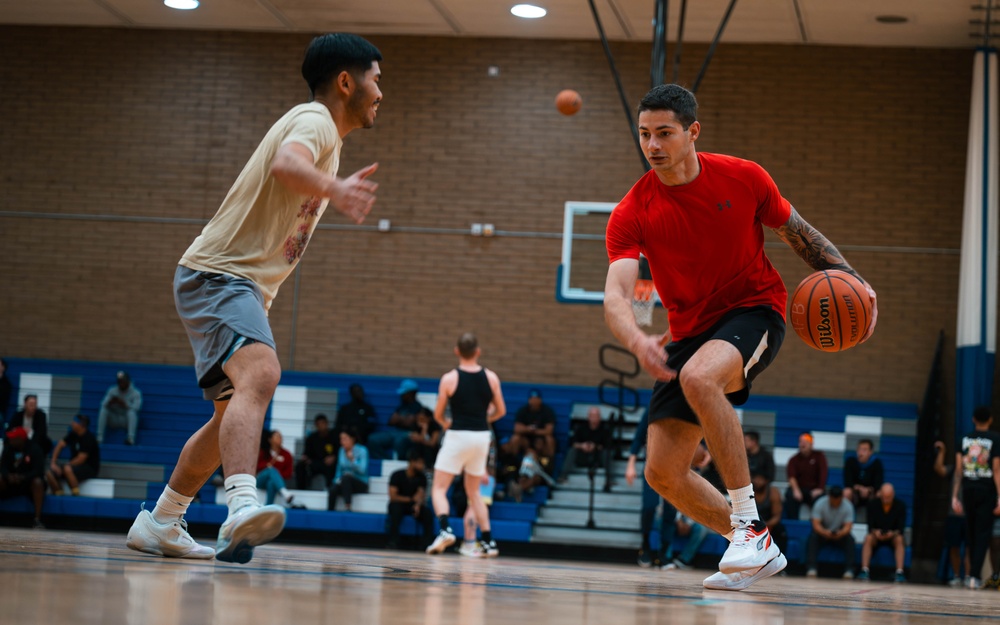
(830, 310)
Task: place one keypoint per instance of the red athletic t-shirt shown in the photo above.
(704, 240)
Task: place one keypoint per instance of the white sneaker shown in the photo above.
(171, 540)
(472, 549)
(743, 579)
(751, 548)
(248, 527)
(444, 540)
(492, 551)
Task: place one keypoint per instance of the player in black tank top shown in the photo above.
(471, 401)
(471, 391)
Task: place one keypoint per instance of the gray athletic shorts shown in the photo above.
(221, 313)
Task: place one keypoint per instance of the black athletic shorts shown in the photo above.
(757, 332)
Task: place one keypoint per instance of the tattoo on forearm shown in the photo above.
(810, 244)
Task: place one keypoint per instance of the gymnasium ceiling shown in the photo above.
(930, 23)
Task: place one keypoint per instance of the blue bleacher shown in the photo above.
(173, 408)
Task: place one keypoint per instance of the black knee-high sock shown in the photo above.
(443, 521)
(487, 536)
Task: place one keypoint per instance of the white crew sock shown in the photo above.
(170, 506)
(240, 488)
(285, 493)
(744, 505)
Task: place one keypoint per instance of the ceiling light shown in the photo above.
(183, 5)
(892, 19)
(528, 11)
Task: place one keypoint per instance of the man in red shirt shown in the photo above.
(698, 219)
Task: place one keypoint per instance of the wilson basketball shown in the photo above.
(568, 102)
(830, 310)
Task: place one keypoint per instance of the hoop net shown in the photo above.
(643, 302)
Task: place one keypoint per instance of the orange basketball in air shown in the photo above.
(568, 102)
(830, 310)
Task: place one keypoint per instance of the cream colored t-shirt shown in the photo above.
(262, 228)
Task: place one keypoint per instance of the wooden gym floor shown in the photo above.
(77, 578)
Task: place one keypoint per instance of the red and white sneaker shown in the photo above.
(751, 549)
(743, 579)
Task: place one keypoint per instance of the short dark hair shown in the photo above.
(753, 435)
(867, 441)
(330, 54)
(836, 491)
(467, 345)
(415, 454)
(320, 417)
(82, 419)
(671, 98)
(30, 396)
(353, 433)
(979, 415)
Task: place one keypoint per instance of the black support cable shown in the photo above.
(618, 83)
(658, 63)
(679, 42)
(711, 49)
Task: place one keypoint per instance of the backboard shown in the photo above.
(583, 267)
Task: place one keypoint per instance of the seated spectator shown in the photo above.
(703, 464)
(863, 474)
(408, 497)
(274, 466)
(352, 471)
(760, 460)
(6, 392)
(320, 457)
(768, 499)
(832, 520)
(425, 437)
(695, 533)
(394, 442)
(357, 415)
(886, 524)
(84, 458)
(34, 421)
(589, 448)
(807, 473)
(533, 472)
(534, 421)
(22, 471)
(120, 409)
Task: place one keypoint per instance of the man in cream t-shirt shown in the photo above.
(227, 279)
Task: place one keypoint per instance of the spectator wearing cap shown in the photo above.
(34, 421)
(832, 520)
(534, 427)
(22, 470)
(396, 439)
(84, 458)
(120, 408)
(807, 473)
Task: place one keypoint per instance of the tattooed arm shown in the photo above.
(819, 253)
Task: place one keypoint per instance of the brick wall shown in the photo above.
(869, 144)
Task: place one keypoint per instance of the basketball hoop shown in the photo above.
(643, 302)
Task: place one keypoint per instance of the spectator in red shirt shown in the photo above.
(807, 471)
(275, 464)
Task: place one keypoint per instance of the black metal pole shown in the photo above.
(679, 42)
(711, 49)
(618, 84)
